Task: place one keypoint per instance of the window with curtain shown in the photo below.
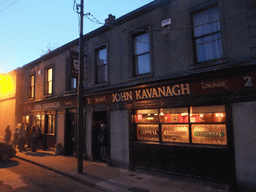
(207, 35)
(142, 54)
(48, 82)
(101, 65)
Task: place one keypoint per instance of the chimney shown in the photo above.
(110, 19)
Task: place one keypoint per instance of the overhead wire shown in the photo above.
(95, 20)
(9, 5)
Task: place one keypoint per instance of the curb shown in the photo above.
(88, 183)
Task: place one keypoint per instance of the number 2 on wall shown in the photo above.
(248, 81)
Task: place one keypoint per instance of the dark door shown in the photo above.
(98, 119)
(70, 135)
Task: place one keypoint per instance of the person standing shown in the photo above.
(16, 138)
(8, 134)
(33, 136)
(103, 142)
(28, 128)
(22, 138)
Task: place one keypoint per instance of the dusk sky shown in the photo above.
(28, 28)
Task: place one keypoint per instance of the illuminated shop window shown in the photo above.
(50, 124)
(174, 115)
(193, 125)
(146, 116)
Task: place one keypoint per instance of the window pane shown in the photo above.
(49, 72)
(32, 92)
(141, 44)
(209, 48)
(209, 134)
(174, 115)
(209, 114)
(146, 116)
(102, 74)
(49, 126)
(175, 133)
(142, 64)
(102, 57)
(50, 87)
(32, 80)
(73, 83)
(148, 132)
(206, 22)
(53, 124)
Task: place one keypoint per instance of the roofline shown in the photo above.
(137, 12)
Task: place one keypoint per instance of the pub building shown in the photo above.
(57, 120)
(185, 127)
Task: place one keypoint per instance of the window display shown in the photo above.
(175, 133)
(148, 132)
(194, 125)
(209, 134)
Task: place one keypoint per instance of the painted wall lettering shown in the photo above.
(213, 85)
(166, 91)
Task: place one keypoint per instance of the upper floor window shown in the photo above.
(48, 81)
(207, 35)
(101, 65)
(32, 86)
(142, 54)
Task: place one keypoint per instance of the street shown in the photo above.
(20, 176)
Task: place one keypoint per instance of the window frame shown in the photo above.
(135, 69)
(97, 66)
(47, 82)
(197, 9)
(187, 124)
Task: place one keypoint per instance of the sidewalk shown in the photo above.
(108, 178)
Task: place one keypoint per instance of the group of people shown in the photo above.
(25, 134)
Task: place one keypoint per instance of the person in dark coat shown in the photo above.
(22, 138)
(8, 134)
(28, 128)
(40, 138)
(33, 136)
(103, 142)
(15, 138)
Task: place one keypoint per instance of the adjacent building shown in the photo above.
(174, 81)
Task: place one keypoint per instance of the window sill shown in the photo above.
(139, 77)
(71, 91)
(100, 85)
(47, 96)
(209, 63)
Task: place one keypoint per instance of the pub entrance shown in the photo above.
(70, 134)
(98, 154)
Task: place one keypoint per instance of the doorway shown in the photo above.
(99, 118)
(70, 135)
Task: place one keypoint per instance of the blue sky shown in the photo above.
(29, 27)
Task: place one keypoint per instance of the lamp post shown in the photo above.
(80, 95)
